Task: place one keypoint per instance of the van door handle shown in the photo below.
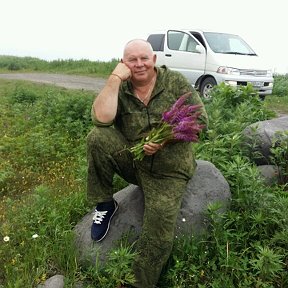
(168, 55)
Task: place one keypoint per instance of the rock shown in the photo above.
(206, 186)
(127, 219)
(259, 137)
(57, 281)
(270, 174)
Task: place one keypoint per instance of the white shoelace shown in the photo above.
(99, 216)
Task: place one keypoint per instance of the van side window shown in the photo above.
(181, 41)
(174, 39)
(157, 41)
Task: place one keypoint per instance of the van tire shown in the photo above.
(206, 86)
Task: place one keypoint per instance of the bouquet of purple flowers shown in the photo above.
(180, 123)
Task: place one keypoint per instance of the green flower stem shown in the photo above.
(156, 135)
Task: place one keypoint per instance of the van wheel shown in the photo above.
(262, 97)
(206, 86)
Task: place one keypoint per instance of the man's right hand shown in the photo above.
(122, 71)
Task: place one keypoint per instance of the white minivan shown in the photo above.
(208, 58)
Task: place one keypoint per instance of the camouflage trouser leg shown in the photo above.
(162, 203)
(106, 156)
(163, 195)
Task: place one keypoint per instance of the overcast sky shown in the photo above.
(98, 30)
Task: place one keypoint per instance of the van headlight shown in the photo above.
(228, 70)
(269, 73)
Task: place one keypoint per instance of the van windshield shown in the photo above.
(228, 43)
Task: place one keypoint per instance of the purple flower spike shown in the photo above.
(180, 122)
(172, 115)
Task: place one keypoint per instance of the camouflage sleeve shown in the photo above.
(96, 122)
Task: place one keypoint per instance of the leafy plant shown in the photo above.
(267, 263)
(279, 156)
(22, 95)
(116, 271)
(280, 87)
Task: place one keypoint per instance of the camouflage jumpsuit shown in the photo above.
(162, 177)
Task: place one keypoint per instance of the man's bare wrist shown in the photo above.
(114, 74)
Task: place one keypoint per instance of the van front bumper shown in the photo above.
(263, 85)
(263, 88)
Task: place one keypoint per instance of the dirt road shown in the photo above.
(67, 81)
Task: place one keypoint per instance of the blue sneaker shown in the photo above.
(102, 218)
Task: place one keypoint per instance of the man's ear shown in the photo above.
(154, 58)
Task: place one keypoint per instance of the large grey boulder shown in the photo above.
(259, 137)
(206, 186)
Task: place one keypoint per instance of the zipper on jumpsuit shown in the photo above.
(148, 118)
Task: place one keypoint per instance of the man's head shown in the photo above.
(138, 55)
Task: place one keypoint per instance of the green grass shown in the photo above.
(42, 196)
(14, 64)
(277, 104)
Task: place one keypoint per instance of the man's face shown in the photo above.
(140, 60)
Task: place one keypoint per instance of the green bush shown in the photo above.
(280, 87)
(13, 63)
(70, 66)
(66, 113)
(279, 156)
(23, 95)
